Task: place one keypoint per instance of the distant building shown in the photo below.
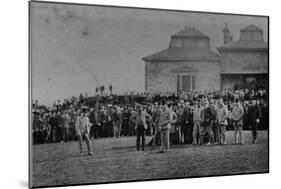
(244, 63)
(190, 64)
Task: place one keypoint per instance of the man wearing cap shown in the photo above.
(237, 116)
(82, 128)
(139, 118)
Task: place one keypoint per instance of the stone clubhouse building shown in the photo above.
(190, 64)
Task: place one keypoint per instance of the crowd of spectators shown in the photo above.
(105, 111)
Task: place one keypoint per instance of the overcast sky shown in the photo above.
(75, 48)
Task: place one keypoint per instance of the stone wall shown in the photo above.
(162, 76)
(244, 62)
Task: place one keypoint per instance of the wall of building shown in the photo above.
(162, 76)
(244, 62)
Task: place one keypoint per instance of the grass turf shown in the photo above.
(116, 160)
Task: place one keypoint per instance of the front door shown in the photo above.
(185, 82)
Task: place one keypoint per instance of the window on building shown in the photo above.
(257, 36)
(189, 43)
(177, 43)
(246, 36)
(202, 43)
(186, 82)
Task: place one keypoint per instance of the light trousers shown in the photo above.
(88, 142)
(238, 133)
(222, 134)
(196, 131)
(165, 139)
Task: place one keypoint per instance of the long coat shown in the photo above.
(254, 113)
(82, 125)
(140, 119)
(237, 114)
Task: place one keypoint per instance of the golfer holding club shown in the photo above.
(82, 128)
(166, 118)
(140, 118)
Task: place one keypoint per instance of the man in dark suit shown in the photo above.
(254, 115)
(139, 118)
(208, 120)
(92, 118)
(187, 119)
(54, 126)
(105, 121)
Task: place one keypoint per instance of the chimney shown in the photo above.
(227, 38)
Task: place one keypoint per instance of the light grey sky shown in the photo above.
(75, 48)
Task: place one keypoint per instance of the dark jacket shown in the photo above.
(209, 115)
(53, 122)
(254, 113)
(187, 117)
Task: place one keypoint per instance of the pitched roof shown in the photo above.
(189, 32)
(247, 45)
(251, 27)
(183, 54)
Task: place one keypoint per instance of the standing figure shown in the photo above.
(105, 123)
(197, 119)
(60, 127)
(126, 121)
(173, 130)
(82, 128)
(92, 118)
(208, 120)
(179, 123)
(66, 122)
(139, 118)
(166, 118)
(117, 122)
(215, 127)
(186, 127)
(237, 116)
(222, 114)
(35, 127)
(47, 128)
(254, 115)
(54, 126)
(155, 122)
